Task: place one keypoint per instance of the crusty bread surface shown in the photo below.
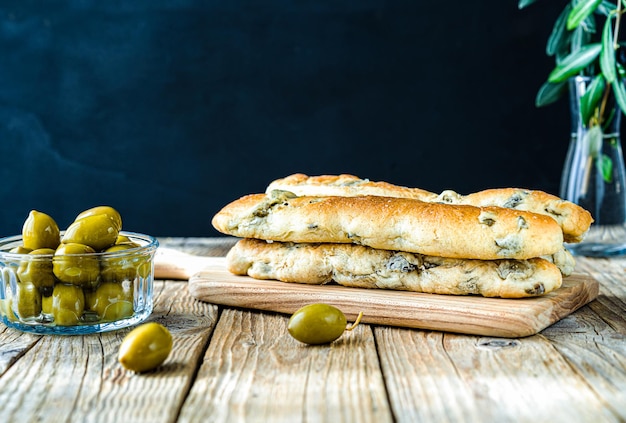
(345, 185)
(573, 219)
(562, 259)
(443, 230)
(364, 267)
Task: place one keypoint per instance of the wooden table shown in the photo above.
(239, 365)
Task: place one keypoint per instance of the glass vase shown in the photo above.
(594, 178)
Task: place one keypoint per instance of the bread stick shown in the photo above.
(363, 267)
(401, 224)
(573, 219)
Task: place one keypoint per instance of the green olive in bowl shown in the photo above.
(125, 240)
(118, 268)
(36, 268)
(112, 301)
(6, 310)
(20, 249)
(40, 231)
(46, 304)
(97, 231)
(122, 239)
(76, 264)
(27, 302)
(68, 304)
(107, 211)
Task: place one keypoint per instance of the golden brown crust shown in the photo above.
(364, 267)
(564, 260)
(444, 230)
(345, 185)
(573, 219)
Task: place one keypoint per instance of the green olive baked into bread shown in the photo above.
(340, 228)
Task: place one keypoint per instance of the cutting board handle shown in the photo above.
(174, 264)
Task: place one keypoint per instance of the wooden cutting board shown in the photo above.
(210, 281)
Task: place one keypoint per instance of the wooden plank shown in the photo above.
(434, 376)
(78, 378)
(611, 303)
(594, 340)
(14, 345)
(462, 314)
(597, 352)
(254, 371)
(615, 265)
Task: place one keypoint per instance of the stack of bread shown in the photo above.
(505, 243)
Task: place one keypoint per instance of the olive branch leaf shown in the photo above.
(580, 48)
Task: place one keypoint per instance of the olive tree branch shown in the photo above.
(605, 97)
(618, 20)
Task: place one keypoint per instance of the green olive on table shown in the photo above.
(68, 304)
(145, 348)
(36, 269)
(107, 211)
(74, 263)
(97, 231)
(27, 302)
(40, 231)
(112, 301)
(318, 324)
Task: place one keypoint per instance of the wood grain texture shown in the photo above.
(475, 379)
(231, 364)
(462, 314)
(78, 378)
(597, 353)
(254, 371)
(611, 303)
(14, 345)
(594, 341)
(601, 265)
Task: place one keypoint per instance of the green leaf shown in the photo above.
(581, 11)
(593, 139)
(607, 55)
(589, 24)
(578, 38)
(620, 94)
(550, 93)
(606, 165)
(525, 3)
(606, 8)
(589, 101)
(559, 35)
(575, 62)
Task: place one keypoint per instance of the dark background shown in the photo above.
(168, 110)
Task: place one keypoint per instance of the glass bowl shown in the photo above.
(76, 294)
